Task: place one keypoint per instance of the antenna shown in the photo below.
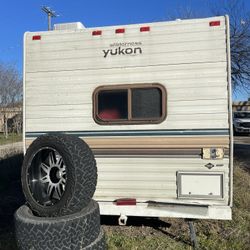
(50, 13)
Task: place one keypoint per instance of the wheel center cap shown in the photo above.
(59, 174)
(55, 175)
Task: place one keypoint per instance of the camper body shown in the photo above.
(153, 102)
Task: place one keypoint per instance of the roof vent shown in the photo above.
(69, 26)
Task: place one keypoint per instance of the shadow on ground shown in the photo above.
(146, 226)
(242, 154)
(11, 197)
(242, 151)
(135, 221)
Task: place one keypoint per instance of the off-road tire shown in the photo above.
(70, 232)
(81, 174)
(98, 244)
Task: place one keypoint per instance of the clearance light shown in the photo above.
(144, 29)
(125, 202)
(119, 31)
(96, 33)
(214, 23)
(36, 37)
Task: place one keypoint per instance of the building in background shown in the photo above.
(11, 119)
(241, 106)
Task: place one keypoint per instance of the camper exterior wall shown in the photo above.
(188, 58)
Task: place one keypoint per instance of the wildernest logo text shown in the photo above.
(129, 48)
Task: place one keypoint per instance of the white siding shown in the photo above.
(187, 57)
(196, 96)
(149, 178)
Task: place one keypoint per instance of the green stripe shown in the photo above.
(135, 132)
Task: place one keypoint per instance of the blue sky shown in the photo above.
(26, 15)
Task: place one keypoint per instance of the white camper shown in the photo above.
(152, 101)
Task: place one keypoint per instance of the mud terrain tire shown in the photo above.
(76, 231)
(59, 155)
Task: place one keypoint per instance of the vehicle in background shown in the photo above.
(241, 122)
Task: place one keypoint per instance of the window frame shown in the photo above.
(130, 120)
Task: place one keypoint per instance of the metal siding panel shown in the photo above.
(174, 72)
(72, 97)
(148, 179)
(202, 91)
(150, 48)
(133, 61)
(184, 43)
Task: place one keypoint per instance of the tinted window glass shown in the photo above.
(130, 104)
(146, 103)
(113, 104)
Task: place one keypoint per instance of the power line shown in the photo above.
(50, 13)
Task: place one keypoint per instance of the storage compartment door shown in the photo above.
(200, 185)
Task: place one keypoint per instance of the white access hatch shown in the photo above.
(202, 185)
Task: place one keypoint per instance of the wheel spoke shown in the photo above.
(60, 162)
(52, 160)
(45, 179)
(63, 171)
(63, 180)
(58, 191)
(47, 203)
(50, 190)
(45, 168)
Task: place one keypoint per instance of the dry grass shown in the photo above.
(11, 138)
(143, 233)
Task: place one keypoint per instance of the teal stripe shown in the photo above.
(135, 132)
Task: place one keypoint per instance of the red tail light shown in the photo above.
(126, 202)
(144, 29)
(118, 31)
(214, 23)
(36, 37)
(96, 33)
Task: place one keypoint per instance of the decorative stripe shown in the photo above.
(147, 142)
(196, 152)
(149, 146)
(135, 132)
(174, 152)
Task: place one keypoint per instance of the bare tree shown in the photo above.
(10, 92)
(183, 12)
(239, 36)
(239, 39)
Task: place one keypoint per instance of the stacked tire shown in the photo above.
(59, 177)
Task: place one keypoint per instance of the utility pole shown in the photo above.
(50, 13)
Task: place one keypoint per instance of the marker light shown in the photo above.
(118, 31)
(36, 37)
(144, 29)
(214, 23)
(96, 33)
